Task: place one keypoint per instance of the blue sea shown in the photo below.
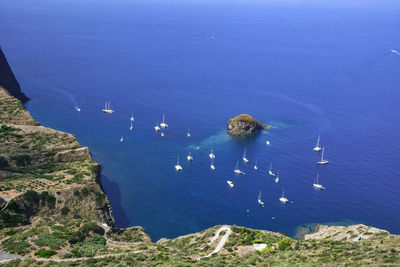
(306, 67)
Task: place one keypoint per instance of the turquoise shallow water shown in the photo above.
(307, 68)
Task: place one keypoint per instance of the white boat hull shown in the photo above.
(238, 172)
(245, 160)
(178, 167)
(260, 202)
(109, 111)
(163, 125)
(271, 173)
(212, 156)
(317, 149)
(189, 158)
(255, 168)
(323, 162)
(318, 186)
(283, 200)
(276, 180)
(212, 167)
(230, 183)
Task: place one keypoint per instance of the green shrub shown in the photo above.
(32, 197)
(64, 211)
(43, 253)
(89, 247)
(14, 246)
(48, 199)
(284, 244)
(52, 241)
(10, 220)
(91, 227)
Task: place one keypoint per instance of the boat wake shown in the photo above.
(64, 91)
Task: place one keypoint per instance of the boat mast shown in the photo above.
(318, 141)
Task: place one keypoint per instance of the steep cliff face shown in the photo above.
(7, 79)
(45, 173)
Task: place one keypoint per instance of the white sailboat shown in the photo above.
(259, 199)
(245, 156)
(131, 128)
(122, 139)
(163, 124)
(270, 171)
(189, 157)
(211, 155)
(317, 147)
(157, 128)
(323, 161)
(212, 165)
(277, 178)
(78, 109)
(188, 133)
(316, 183)
(177, 166)
(132, 118)
(230, 183)
(283, 199)
(255, 166)
(107, 108)
(236, 170)
(162, 134)
(268, 143)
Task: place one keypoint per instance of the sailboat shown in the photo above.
(270, 171)
(188, 133)
(211, 155)
(189, 157)
(212, 165)
(267, 143)
(131, 128)
(259, 199)
(230, 183)
(122, 139)
(283, 199)
(323, 161)
(132, 118)
(78, 109)
(245, 156)
(163, 124)
(316, 184)
(162, 134)
(177, 166)
(317, 147)
(107, 108)
(255, 166)
(236, 170)
(277, 178)
(157, 128)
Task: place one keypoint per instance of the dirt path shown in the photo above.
(7, 199)
(221, 243)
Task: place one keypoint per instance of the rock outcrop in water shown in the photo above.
(7, 79)
(243, 125)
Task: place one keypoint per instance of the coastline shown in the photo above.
(53, 205)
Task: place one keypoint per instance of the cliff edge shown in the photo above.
(7, 79)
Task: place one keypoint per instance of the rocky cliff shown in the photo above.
(7, 79)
